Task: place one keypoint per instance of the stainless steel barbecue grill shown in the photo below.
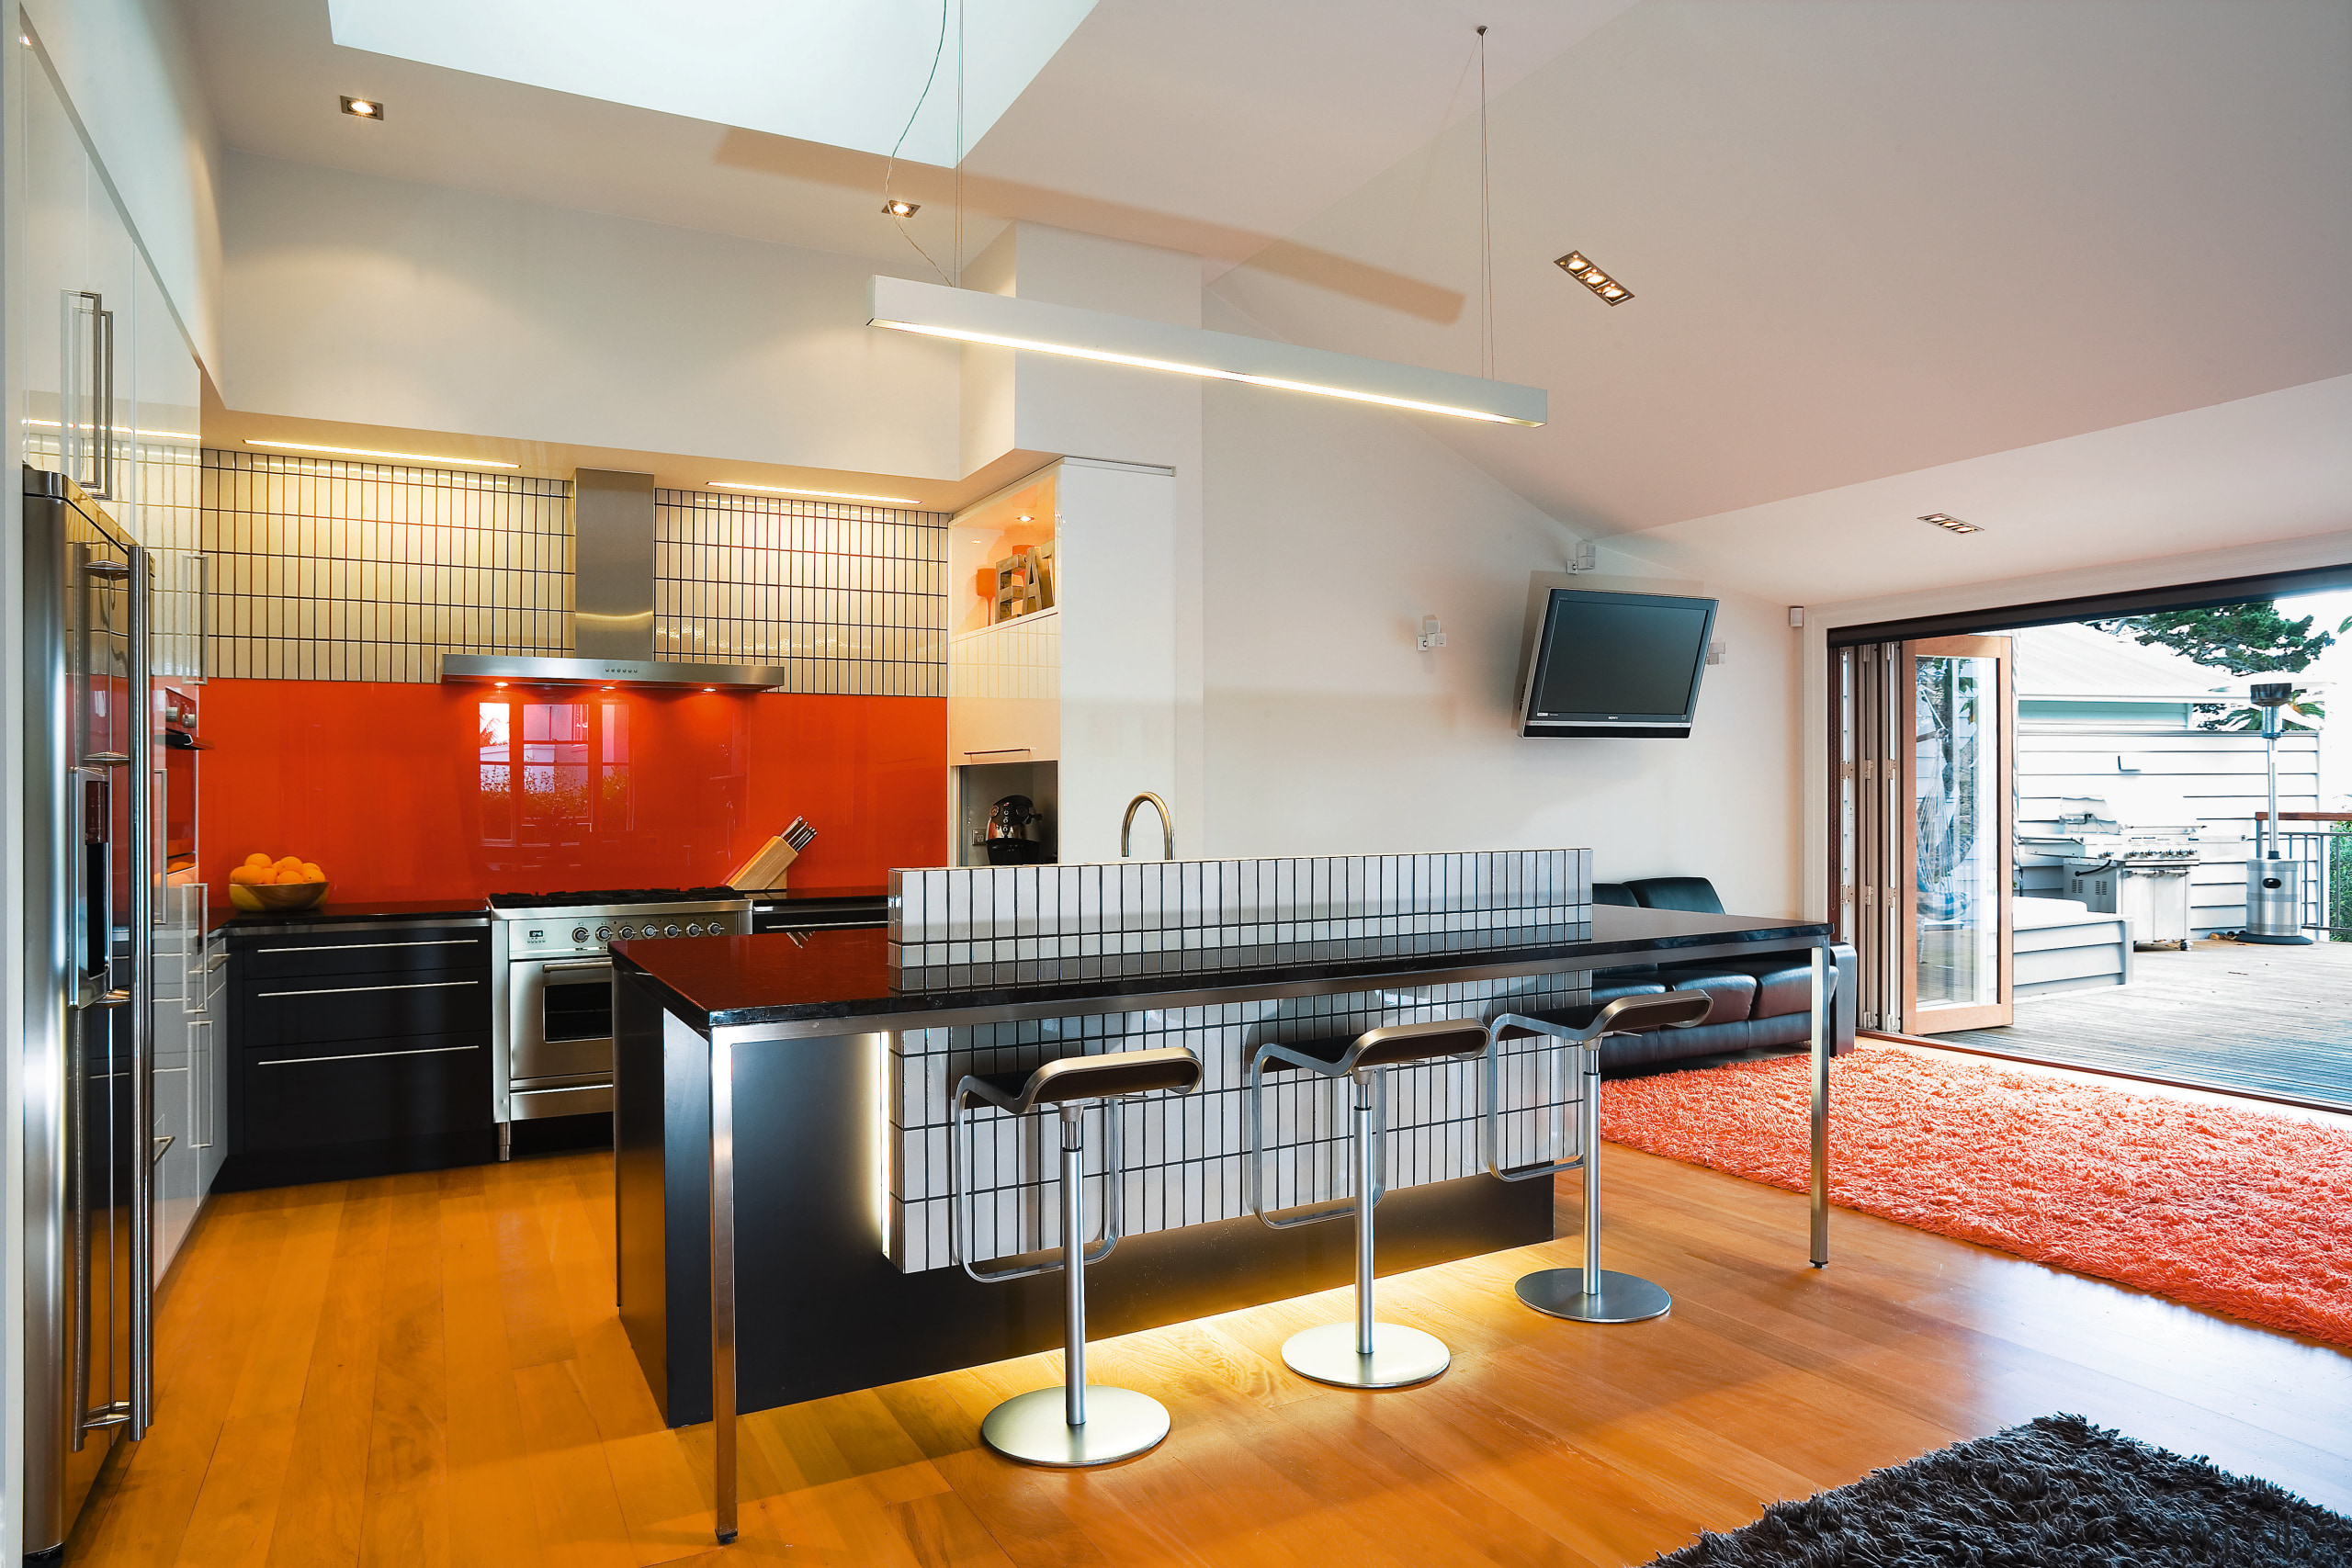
(2142, 870)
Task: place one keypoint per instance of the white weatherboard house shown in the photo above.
(2103, 718)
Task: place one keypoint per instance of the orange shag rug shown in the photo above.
(2233, 1211)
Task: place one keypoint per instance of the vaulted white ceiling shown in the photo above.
(918, 78)
(1866, 240)
(1881, 250)
(1210, 126)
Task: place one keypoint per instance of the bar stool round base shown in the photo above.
(1623, 1297)
(1399, 1355)
(1034, 1428)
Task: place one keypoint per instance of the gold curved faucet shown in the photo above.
(1167, 825)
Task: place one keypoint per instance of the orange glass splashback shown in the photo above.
(402, 791)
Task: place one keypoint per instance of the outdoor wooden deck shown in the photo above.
(2274, 1021)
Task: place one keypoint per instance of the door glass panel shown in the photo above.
(1962, 859)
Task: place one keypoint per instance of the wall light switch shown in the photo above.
(1715, 653)
(1433, 635)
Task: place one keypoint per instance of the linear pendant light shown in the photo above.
(969, 315)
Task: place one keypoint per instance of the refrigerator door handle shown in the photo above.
(142, 990)
(77, 1199)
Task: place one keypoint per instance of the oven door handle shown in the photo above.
(569, 966)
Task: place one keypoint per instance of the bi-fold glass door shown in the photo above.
(1923, 736)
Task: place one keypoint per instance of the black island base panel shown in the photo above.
(822, 1310)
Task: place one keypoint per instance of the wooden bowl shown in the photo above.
(276, 897)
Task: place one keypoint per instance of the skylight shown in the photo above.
(846, 74)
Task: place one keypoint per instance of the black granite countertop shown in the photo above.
(801, 978)
(336, 909)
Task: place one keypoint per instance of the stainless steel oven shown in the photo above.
(552, 985)
(559, 1026)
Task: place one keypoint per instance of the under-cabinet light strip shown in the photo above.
(820, 494)
(370, 452)
(118, 430)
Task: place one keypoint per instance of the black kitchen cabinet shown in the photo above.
(357, 1049)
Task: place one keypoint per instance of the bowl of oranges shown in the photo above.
(264, 885)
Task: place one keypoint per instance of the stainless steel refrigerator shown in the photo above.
(88, 1035)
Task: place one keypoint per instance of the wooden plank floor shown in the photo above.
(427, 1370)
(2225, 1015)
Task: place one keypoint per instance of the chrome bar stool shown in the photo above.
(1589, 1294)
(1363, 1354)
(1073, 1425)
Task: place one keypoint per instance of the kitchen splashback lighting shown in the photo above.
(363, 109)
(1036, 326)
(370, 452)
(1949, 524)
(820, 494)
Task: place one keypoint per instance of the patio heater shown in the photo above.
(2274, 885)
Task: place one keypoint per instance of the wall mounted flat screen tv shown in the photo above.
(1614, 665)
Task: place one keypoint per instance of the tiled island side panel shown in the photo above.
(1183, 1156)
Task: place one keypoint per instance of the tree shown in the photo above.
(2244, 639)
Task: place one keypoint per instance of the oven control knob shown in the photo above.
(580, 933)
(672, 931)
(693, 929)
(604, 934)
(627, 932)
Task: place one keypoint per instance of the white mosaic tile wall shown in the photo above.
(1183, 1156)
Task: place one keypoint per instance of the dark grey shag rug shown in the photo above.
(2056, 1490)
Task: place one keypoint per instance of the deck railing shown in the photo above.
(2325, 850)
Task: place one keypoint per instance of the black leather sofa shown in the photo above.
(1758, 1001)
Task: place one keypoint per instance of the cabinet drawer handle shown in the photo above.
(372, 946)
(364, 1056)
(351, 990)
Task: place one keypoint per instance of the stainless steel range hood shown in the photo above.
(612, 599)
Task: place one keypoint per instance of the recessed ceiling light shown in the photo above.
(820, 494)
(371, 452)
(1025, 517)
(1575, 265)
(363, 109)
(1949, 524)
(898, 209)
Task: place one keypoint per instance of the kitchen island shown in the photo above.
(780, 1101)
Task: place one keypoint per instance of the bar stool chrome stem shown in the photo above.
(1589, 1294)
(1364, 1354)
(1073, 1425)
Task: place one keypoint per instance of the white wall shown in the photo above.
(1128, 567)
(376, 301)
(128, 72)
(1329, 530)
